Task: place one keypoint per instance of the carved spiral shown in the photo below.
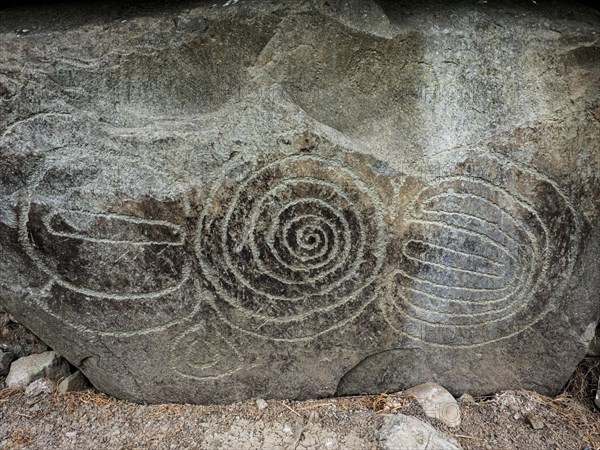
(291, 249)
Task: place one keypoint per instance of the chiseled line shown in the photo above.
(487, 185)
(176, 228)
(185, 359)
(443, 286)
(123, 217)
(493, 303)
(24, 240)
(574, 247)
(141, 332)
(521, 285)
(448, 267)
(274, 251)
(288, 225)
(468, 303)
(482, 236)
(467, 217)
(480, 324)
(503, 211)
(346, 227)
(341, 323)
(451, 250)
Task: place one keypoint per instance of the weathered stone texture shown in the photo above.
(213, 202)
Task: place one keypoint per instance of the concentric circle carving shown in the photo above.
(484, 255)
(291, 247)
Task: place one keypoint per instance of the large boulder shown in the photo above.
(218, 201)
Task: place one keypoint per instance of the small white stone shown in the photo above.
(400, 432)
(330, 442)
(41, 386)
(71, 434)
(261, 404)
(436, 402)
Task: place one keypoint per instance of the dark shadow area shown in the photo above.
(151, 5)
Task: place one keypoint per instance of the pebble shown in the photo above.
(594, 347)
(535, 422)
(71, 434)
(466, 398)
(25, 370)
(401, 432)
(41, 386)
(261, 404)
(74, 382)
(436, 402)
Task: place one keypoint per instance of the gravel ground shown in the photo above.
(92, 420)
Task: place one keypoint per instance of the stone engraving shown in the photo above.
(481, 254)
(98, 221)
(202, 352)
(291, 248)
(100, 259)
(298, 199)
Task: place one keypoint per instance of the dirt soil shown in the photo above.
(90, 420)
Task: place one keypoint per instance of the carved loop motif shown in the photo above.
(291, 250)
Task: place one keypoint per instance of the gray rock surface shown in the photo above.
(74, 382)
(6, 358)
(401, 432)
(216, 201)
(535, 422)
(594, 347)
(26, 370)
(437, 403)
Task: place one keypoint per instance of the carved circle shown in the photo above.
(484, 256)
(202, 353)
(99, 260)
(291, 249)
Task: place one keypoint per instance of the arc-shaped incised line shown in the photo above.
(276, 241)
(232, 358)
(532, 249)
(483, 260)
(24, 210)
(47, 221)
